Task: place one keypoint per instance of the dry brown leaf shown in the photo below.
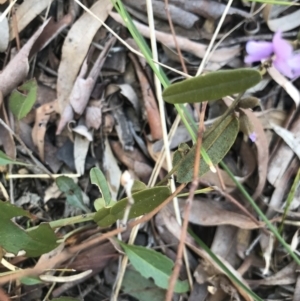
(197, 49)
(285, 276)
(26, 12)
(42, 116)
(17, 69)
(209, 9)
(211, 213)
(6, 138)
(150, 104)
(262, 147)
(75, 49)
(179, 16)
(134, 160)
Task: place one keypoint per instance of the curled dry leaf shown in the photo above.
(17, 69)
(66, 117)
(285, 23)
(42, 116)
(75, 49)
(197, 49)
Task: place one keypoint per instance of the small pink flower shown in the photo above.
(284, 60)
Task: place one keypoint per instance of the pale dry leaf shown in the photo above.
(75, 49)
(197, 49)
(4, 34)
(17, 69)
(292, 140)
(63, 279)
(26, 12)
(65, 118)
(93, 115)
(83, 138)
(42, 116)
(285, 23)
(111, 170)
(285, 84)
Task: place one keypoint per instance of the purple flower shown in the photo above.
(253, 136)
(284, 60)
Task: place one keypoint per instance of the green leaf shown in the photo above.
(217, 141)
(141, 288)
(100, 203)
(98, 178)
(212, 86)
(4, 160)
(72, 191)
(144, 202)
(14, 239)
(138, 186)
(30, 280)
(155, 265)
(21, 103)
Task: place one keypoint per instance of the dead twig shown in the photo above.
(188, 206)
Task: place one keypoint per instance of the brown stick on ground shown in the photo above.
(187, 209)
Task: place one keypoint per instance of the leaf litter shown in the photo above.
(94, 105)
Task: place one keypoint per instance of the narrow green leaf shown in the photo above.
(98, 178)
(14, 239)
(144, 202)
(217, 143)
(100, 203)
(72, 191)
(30, 280)
(138, 186)
(21, 103)
(141, 288)
(212, 86)
(155, 265)
(4, 160)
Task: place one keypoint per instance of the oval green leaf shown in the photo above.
(21, 103)
(155, 265)
(98, 178)
(217, 141)
(212, 86)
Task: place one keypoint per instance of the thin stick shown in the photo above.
(41, 176)
(174, 37)
(194, 185)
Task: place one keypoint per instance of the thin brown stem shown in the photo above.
(187, 209)
(184, 68)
